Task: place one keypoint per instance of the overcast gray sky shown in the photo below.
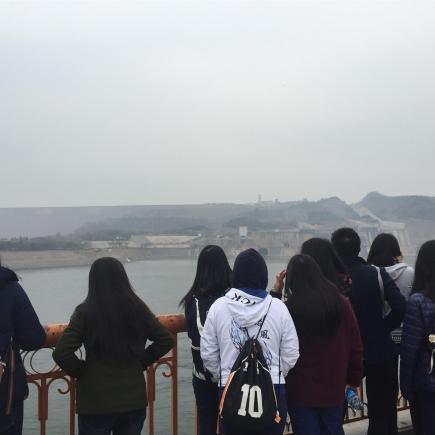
(151, 102)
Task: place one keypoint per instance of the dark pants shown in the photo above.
(207, 402)
(382, 387)
(276, 429)
(415, 408)
(316, 420)
(126, 423)
(423, 413)
(13, 423)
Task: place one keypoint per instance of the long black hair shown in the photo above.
(213, 275)
(424, 277)
(331, 265)
(384, 251)
(313, 301)
(114, 314)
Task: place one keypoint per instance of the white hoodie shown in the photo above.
(403, 276)
(224, 335)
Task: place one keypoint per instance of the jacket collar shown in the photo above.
(356, 261)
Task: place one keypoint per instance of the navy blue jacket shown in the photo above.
(367, 304)
(18, 321)
(415, 350)
(195, 320)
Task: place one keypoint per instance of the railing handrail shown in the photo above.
(175, 323)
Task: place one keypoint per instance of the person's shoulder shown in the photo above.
(79, 312)
(417, 298)
(217, 303)
(277, 306)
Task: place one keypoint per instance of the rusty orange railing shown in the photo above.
(44, 378)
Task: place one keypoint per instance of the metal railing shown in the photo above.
(43, 379)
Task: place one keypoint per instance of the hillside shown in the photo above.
(106, 223)
(400, 208)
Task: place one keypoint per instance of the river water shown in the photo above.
(161, 284)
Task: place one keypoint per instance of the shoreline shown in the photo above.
(39, 260)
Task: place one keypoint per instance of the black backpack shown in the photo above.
(248, 400)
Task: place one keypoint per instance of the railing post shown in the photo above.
(174, 391)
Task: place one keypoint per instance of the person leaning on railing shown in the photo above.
(19, 329)
(113, 324)
(212, 280)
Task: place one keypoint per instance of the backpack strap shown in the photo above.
(9, 360)
(263, 319)
(11, 380)
(385, 307)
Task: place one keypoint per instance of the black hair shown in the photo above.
(327, 258)
(346, 242)
(313, 301)
(213, 275)
(384, 251)
(114, 314)
(424, 277)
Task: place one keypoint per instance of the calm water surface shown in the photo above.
(161, 283)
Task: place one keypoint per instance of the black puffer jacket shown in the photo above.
(19, 322)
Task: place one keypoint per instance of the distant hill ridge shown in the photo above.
(187, 218)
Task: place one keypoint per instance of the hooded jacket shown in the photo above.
(19, 324)
(403, 276)
(239, 313)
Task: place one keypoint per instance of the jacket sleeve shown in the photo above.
(396, 301)
(289, 347)
(28, 331)
(355, 363)
(210, 345)
(413, 334)
(162, 341)
(71, 340)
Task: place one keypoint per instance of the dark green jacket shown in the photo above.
(104, 388)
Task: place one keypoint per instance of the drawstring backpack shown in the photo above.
(248, 400)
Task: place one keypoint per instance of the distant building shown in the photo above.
(243, 232)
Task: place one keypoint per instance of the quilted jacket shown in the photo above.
(419, 322)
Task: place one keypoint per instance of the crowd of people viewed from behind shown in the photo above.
(301, 348)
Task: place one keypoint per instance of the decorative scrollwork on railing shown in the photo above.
(168, 364)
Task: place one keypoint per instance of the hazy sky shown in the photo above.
(152, 102)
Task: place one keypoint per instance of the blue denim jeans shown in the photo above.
(276, 429)
(207, 402)
(316, 421)
(126, 423)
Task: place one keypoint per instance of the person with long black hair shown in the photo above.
(114, 325)
(417, 368)
(331, 265)
(213, 278)
(385, 252)
(330, 349)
